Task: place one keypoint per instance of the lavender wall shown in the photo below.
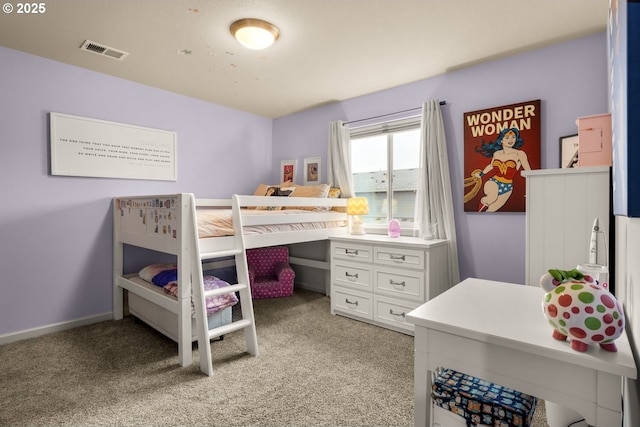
(56, 232)
(570, 79)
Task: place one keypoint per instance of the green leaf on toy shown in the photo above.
(565, 275)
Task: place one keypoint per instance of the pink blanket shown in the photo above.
(165, 275)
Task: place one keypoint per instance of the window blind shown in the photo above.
(400, 125)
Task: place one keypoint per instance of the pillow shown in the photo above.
(334, 193)
(276, 191)
(318, 191)
(159, 274)
(262, 189)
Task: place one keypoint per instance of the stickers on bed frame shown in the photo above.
(149, 215)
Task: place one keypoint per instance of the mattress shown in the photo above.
(218, 222)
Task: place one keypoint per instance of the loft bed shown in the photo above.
(164, 223)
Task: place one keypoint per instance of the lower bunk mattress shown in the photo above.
(163, 279)
(166, 322)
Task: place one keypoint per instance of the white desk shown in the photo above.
(498, 332)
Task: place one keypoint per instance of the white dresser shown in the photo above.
(378, 279)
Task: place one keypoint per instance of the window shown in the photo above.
(385, 165)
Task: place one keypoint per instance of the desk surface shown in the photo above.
(511, 316)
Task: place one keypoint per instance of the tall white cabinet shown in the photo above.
(561, 207)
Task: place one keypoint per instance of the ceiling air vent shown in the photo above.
(103, 50)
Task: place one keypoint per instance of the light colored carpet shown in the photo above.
(314, 369)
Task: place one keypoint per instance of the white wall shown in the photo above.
(628, 292)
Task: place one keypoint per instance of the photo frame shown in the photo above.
(569, 151)
(288, 171)
(312, 167)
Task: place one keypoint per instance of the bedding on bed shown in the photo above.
(290, 189)
(218, 222)
(214, 222)
(166, 276)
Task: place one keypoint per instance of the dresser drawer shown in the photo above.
(350, 251)
(399, 257)
(399, 283)
(353, 275)
(353, 302)
(393, 312)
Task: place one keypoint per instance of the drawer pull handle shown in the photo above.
(393, 283)
(351, 302)
(391, 312)
(395, 257)
(354, 276)
(351, 251)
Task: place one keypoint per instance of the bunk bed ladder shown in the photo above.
(247, 322)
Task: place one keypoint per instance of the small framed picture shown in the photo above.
(288, 171)
(312, 170)
(569, 151)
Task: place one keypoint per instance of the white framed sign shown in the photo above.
(81, 146)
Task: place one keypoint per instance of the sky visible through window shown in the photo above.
(370, 154)
(370, 166)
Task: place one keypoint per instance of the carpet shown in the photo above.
(314, 369)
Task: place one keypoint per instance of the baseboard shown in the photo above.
(309, 287)
(56, 327)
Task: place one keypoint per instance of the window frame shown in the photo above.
(387, 128)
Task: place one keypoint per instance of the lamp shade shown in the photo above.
(357, 206)
(255, 33)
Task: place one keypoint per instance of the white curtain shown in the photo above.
(339, 158)
(434, 203)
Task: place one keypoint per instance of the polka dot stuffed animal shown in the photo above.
(578, 308)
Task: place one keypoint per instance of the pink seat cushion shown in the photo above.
(270, 275)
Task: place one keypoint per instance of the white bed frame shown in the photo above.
(169, 233)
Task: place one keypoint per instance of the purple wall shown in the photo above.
(570, 79)
(56, 232)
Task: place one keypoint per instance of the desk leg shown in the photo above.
(422, 380)
(609, 400)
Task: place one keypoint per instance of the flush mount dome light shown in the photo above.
(254, 33)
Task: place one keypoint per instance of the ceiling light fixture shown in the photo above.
(255, 33)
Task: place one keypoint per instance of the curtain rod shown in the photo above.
(389, 114)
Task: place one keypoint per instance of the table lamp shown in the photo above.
(357, 206)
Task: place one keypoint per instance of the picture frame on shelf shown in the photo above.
(312, 172)
(288, 171)
(569, 151)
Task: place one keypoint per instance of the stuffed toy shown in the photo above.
(579, 308)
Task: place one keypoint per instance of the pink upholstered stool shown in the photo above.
(270, 275)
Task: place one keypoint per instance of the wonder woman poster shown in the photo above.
(499, 143)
